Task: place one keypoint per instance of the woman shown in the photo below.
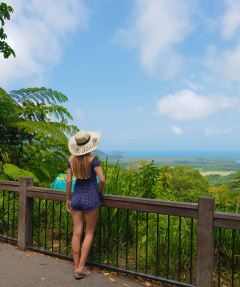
(85, 199)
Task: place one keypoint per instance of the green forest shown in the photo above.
(34, 128)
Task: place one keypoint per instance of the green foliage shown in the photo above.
(5, 11)
(39, 95)
(184, 183)
(145, 180)
(232, 197)
(30, 139)
(15, 173)
(234, 184)
(226, 191)
(218, 180)
(137, 165)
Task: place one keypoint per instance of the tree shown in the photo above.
(5, 11)
(146, 178)
(30, 139)
(232, 197)
(182, 182)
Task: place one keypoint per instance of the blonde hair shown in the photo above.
(80, 165)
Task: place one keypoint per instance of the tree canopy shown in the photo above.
(5, 11)
(33, 127)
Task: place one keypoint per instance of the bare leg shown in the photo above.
(78, 221)
(91, 221)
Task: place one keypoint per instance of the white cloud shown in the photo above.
(217, 131)
(37, 32)
(193, 86)
(156, 26)
(186, 105)
(231, 18)
(227, 63)
(176, 130)
(80, 114)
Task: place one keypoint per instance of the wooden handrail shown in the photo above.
(150, 205)
(221, 219)
(9, 185)
(226, 220)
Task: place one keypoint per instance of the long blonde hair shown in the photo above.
(80, 165)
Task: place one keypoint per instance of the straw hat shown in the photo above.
(83, 142)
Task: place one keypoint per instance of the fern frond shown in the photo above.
(39, 95)
(46, 163)
(59, 111)
(65, 128)
(14, 172)
(42, 130)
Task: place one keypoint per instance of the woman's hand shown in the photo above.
(68, 205)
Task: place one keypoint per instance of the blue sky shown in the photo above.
(147, 74)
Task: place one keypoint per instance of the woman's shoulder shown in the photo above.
(95, 161)
(93, 158)
(68, 164)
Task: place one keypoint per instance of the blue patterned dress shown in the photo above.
(86, 196)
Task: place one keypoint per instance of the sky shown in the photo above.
(146, 74)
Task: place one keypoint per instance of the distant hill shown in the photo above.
(111, 156)
(100, 153)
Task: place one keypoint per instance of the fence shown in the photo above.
(126, 227)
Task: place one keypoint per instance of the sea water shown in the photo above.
(183, 153)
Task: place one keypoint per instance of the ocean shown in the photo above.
(175, 153)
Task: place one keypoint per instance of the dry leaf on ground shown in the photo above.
(112, 280)
(43, 278)
(27, 254)
(106, 274)
(148, 284)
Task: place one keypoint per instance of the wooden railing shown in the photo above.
(204, 212)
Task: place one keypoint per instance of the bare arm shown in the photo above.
(101, 177)
(69, 184)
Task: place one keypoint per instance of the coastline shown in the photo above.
(207, 164)
(182, 153)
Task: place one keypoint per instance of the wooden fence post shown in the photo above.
(205, 242)
(25, 214)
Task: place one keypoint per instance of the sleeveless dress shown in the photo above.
(86, 196)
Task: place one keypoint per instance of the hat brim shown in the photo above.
(88, 147)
